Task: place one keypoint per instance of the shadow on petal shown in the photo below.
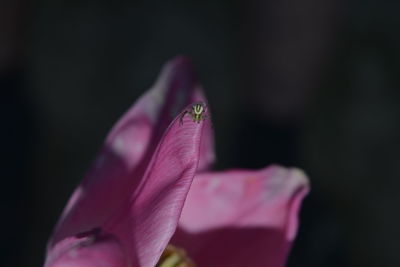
(235, 247)
(93, 249)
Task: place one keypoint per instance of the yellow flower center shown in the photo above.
(174, 257)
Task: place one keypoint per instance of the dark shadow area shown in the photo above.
(17, 136)
(234, 246)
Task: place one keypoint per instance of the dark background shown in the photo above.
(306, 83)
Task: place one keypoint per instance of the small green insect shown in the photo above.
(196, 112)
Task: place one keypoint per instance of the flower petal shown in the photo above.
(91, 251)
(127, 151)
(242, 218)
(155, 208)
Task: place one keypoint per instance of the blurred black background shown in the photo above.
(311, 83)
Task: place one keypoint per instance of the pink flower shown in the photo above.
(140, 194)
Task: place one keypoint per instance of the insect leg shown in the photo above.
(183, 115)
